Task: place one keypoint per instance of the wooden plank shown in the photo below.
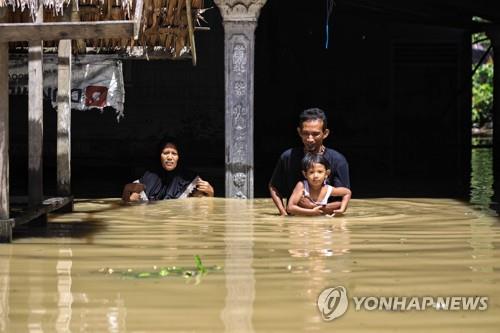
(494, 35)
(35, 119)
(47, 206)
(137, 18)
(64, 118)
(65, 30)
(191, 31)
(4, 126)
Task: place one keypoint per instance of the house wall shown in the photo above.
(397, 96)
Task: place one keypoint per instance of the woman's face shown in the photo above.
(169, 157)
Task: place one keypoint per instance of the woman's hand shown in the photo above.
(205, 188)
(132, 192)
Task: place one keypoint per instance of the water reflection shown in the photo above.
(65, 299)
(318, 238)
(4, 286)
(240, 281)
(481, 177)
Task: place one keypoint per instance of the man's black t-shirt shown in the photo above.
(288, 170)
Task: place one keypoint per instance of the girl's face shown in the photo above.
(169, 157)
(316, 174)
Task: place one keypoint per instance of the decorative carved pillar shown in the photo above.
(494, 35)
(240, 21)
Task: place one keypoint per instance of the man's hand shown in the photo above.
(306, 202)
(131, 192)
(331, 208)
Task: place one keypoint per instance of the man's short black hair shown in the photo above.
(313, 114)
(311, 158)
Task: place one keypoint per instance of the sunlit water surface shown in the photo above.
(273, 268)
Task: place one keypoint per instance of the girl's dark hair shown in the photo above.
(309, 159)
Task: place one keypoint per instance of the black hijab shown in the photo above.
(161, 184)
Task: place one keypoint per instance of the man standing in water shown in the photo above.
(312, 130)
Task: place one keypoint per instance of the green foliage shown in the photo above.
(482, 94)
(481, 38)
(160, 272)
(482, 83)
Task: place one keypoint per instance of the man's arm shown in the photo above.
(278, 200)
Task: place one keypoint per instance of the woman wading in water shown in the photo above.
(171, 181)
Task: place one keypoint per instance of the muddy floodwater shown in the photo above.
(97, 269)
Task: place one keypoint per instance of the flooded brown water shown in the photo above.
(273, 268)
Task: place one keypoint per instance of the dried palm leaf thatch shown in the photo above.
(164, 23)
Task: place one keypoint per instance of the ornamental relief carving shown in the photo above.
(240, 9)
(240, 88)
(239, 152)
(239, 58)
(239, 179)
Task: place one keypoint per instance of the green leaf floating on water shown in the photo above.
(199, 264)
(162, 272)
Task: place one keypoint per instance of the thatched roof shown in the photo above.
(164, 24)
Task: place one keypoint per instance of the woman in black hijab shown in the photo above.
(171, 181)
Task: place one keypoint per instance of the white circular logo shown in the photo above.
(333, 302)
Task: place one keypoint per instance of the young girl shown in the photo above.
(316, 169)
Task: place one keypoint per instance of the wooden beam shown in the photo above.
(4, 129)
(47, 206)
(137, 18)
(35, 119)
(64, 118)
(65, 30)
(191, 31)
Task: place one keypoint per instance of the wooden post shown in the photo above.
(35, 119)
(5, 226)
(191, 31)
(64, 118)
(64, 114)
(494, 35)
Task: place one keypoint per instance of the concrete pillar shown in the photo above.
(494, 35)
(240, 20)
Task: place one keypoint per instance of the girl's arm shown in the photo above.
(345, 193)
(293, 203)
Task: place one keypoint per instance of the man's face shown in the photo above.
(312, 135)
